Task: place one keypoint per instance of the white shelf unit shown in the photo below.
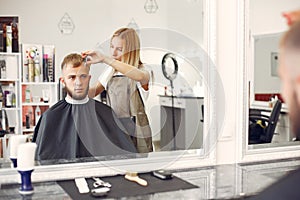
(13, 75)
(36, 93)
(16, 115)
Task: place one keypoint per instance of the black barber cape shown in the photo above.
(67, 131)
(286, 188)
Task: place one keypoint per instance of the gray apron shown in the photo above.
(124, 98)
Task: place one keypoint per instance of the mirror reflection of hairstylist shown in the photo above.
(121, 81)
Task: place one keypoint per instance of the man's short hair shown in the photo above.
(74, 58)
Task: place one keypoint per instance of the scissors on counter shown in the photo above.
(98, 182)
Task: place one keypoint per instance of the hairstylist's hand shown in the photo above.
(94, 57)
(292, 16)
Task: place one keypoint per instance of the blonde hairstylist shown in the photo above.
(124, 81)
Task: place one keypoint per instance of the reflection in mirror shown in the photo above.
(160, 32)
(187, 108)
(264, 83)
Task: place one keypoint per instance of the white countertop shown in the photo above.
(264, 105)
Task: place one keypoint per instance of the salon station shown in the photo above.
(220, 126)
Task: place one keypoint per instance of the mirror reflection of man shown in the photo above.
(289, 72)
(291, 16)
(78, 126)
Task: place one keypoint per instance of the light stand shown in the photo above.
(171, 77)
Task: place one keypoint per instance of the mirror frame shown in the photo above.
(169, 160)
(246, 60)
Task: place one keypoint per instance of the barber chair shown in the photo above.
(262, 127)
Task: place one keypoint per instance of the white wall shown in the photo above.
(264, 81)
(265, 21)
(266, 15)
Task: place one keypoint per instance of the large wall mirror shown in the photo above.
(266, 26)
(181, 27)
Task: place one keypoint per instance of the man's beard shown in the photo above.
(76, 96)
(294, 115)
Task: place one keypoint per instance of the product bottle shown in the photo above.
(9, 96)
(198, 89)
(25, 70)
(45, 68)
(37, 71)
(1, 38)
(27, 95)
(13, 95)
(31, 115)
(15, 37)
(3, 69)
(13, 99)
(31, 71)
(50, 70)
(1, 96)
(4, 37)
(27, 123)
(8, 39)
(37, 114)
(271, 101)
(166, 90)
(3, 121)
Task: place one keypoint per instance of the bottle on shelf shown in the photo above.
(50, 70)
(4, 37)
(27, 123)
(1, 96)
(37, 114)
(3, 115)
(31, 116)
(10, 97)
(37, 70)
(27, 95)
(45, 68)
(46, 95)
(25, 70)
(2, 69)
(166, 89)
(271, 101)
(8, 39)
(13, 100)
(31, 70)
(1, 38)
(3, 121)
(15, 37)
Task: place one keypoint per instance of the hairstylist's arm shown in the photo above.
(95, 90)
(128, 70)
